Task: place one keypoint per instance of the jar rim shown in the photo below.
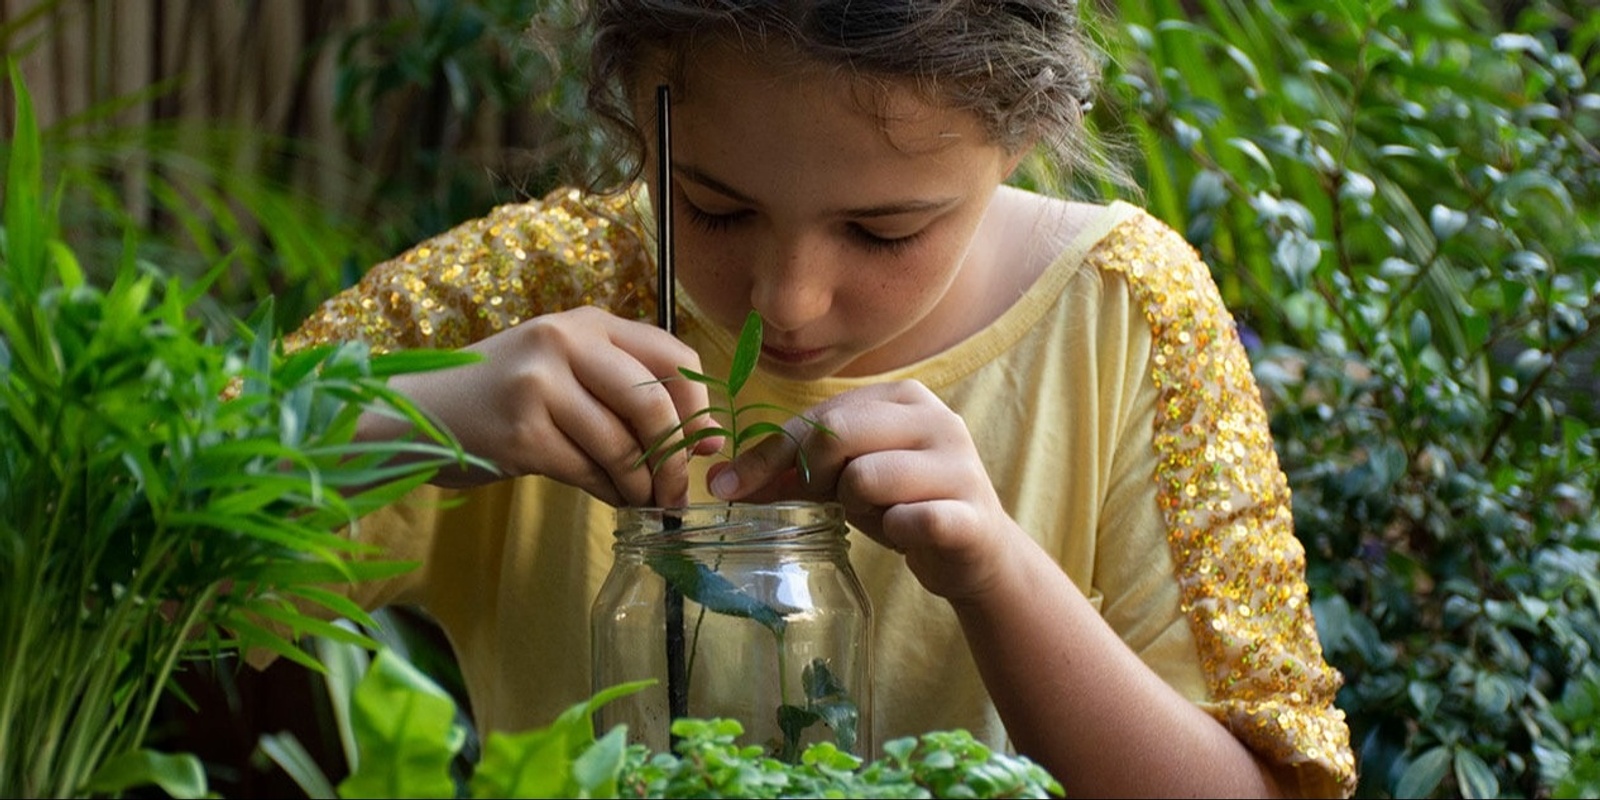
(731, 524)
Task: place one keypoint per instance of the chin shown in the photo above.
(812, 371)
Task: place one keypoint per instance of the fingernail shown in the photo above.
(725, 484)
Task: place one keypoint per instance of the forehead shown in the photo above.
(723, 71)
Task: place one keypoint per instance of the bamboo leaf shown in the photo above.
(400, 362)
(250, 636)
(700, 377)
(27, 230)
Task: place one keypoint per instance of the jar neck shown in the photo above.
(792, 527)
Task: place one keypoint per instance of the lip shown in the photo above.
(792, 357)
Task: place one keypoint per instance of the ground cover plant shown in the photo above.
(401, 735)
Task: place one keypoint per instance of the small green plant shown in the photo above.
(827, 701)
(746, 353)
(403, 736)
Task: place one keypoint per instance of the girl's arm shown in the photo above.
(553, 294)
(1217, 539)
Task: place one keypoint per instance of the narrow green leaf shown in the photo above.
(700, 377)
(339, 604)
(253, 636)
(68, 270)
(745, 354)
(757, 430)
(25, 224)
(401, 362)
(292, 757)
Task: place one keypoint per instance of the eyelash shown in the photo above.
(717, 223)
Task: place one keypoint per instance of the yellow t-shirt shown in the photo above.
(1114, 409)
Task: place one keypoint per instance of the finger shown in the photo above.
(875, 483)
(755, 469)
(607, 441)
(785, 486)
(660, 413)
(573, 465)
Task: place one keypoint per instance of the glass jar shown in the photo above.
(749, 612)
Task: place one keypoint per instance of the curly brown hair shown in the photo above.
(1025, 68)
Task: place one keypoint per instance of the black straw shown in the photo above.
(666, 317)
(666, 287)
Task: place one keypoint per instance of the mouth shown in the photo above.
(790, 356)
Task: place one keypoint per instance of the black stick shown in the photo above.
(666, 317)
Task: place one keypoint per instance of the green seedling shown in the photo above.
(745, 355)
(827, 701)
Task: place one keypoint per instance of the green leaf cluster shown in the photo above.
(1399, 201)
(404, 738)
(746, 354)
(163, 497)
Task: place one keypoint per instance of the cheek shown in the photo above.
(916, 282)
(715, 280)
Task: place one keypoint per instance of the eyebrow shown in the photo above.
(864, 212)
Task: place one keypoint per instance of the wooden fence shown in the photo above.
(265, 66)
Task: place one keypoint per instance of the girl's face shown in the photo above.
(850, 235)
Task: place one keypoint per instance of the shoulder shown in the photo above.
(568, 213)
(1040, 231)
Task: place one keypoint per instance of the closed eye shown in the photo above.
(712, 223)
(889, 245)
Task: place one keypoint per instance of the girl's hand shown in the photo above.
(904, 467)
(570, 396)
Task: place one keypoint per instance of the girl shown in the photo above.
(1080, 540)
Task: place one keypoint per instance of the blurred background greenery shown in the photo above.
(1397, 198)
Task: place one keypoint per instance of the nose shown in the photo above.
(794, 285)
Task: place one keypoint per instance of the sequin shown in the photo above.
(564, 247)
(1211, 411)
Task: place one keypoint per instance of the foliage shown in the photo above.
(1399, 202)
(162, 498)
(202, 193)
(402, 730)
(419, 81)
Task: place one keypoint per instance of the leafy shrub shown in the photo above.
(1399, 201)
(465, 110)
(162, 498)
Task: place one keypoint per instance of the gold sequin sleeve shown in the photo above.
(489, 274)
(1225, 503)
